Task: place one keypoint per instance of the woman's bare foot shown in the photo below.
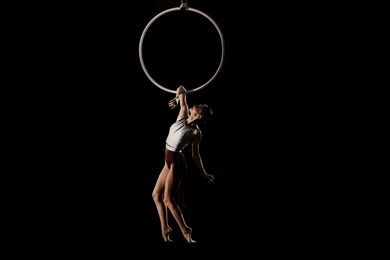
(187, 235)
(166, 232)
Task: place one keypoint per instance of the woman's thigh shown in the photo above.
(172, 181)
(159, 188)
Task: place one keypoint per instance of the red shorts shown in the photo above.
(178, 159)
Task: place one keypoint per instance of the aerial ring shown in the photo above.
(172, 10)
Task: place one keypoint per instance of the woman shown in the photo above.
(181, 133)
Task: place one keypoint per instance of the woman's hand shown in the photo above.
(210, 178)
(173, 103)
(180, 90)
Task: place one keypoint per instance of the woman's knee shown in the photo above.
(168, 201)
(157, 196)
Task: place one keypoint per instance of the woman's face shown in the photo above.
(196, 110)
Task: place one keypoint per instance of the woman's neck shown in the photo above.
(191, 121)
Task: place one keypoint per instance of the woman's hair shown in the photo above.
(207, 113)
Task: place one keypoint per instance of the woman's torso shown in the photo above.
(180, 135)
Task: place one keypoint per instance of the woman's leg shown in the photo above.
(171, 185)
(158, 194)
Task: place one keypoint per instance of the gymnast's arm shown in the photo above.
(181, 99)
(196, 155)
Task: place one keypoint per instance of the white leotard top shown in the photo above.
(180, 135)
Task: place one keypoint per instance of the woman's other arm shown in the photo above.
(196, 155)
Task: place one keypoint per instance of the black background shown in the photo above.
(101, 127)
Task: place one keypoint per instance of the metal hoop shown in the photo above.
(172, 10)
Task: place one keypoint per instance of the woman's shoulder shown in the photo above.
(197, 134)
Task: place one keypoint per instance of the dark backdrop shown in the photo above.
(106, 125)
